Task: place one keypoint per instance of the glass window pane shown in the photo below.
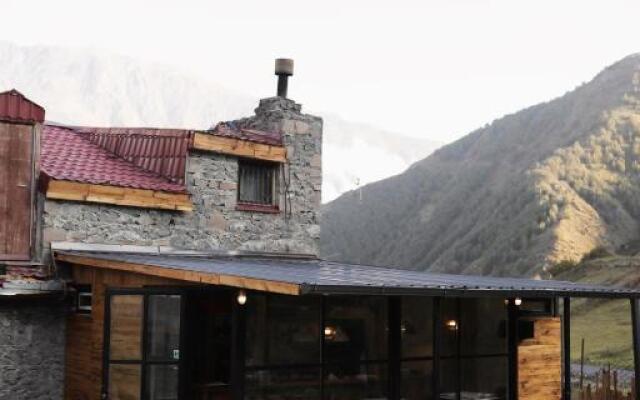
(483, 326)
(356, 329)
(294, 330)
(256, 182)
(450, 327)
(124, 382)
(289, 384)
(449, 378)
(163, 324)
(126, 327)
(256, 326)
(416, 381)
(417, 327)
(356, 382)
(162, 382)
(290, 326)
(484, 378)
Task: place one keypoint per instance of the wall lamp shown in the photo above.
(242, 297)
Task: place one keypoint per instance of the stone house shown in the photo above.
(168, 264)
(251, 185)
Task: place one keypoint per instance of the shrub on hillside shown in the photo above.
(598, 252)
(562, 266)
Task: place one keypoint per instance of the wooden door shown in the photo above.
(16, 181)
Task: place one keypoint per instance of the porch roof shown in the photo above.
(306, 276)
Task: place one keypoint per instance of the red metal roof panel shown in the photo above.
(17, 108)
(68, 154)
(163, 151)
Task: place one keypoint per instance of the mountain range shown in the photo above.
(97, 88)
(536, 188)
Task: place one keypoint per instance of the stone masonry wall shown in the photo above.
(215, 224)
(32, 341)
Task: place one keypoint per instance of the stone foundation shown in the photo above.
(32, 340)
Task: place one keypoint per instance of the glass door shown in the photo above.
(142, 345)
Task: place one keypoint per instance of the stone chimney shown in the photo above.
(302, 135)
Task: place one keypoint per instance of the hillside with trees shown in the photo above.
(544, 185)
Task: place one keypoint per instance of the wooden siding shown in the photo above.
(241, 148)
(16, 191)
(540, 362)
(186, 276)
(75, 191)
(83, 378)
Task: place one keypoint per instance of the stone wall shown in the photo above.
(215, 224)
(32, 341)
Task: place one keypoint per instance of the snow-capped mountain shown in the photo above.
(88, 87)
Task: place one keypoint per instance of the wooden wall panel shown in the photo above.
(83, 378)
(16, 181)
(540, 362)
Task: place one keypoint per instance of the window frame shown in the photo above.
(256, 206)
(143, 361)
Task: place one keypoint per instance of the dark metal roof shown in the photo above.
(324, 277)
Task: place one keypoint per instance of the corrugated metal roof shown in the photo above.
(163, 151)
(324, 277)
(142, 158)
(15, 107)
(69, 155)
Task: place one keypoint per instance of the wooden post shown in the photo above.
(635, 323)
(582, 369)
(615, 385)
(566, 343)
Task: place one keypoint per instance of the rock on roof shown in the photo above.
(232, 129)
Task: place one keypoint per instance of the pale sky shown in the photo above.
(431, 69)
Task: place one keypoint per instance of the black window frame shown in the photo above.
(394, 358)
(143, 362)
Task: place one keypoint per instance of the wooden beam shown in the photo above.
(240, 148)
(107, 194)
(185, 275)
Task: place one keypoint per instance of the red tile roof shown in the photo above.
(141, 158)
(76, 154)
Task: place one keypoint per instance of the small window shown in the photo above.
(84, 299)
(257, 186)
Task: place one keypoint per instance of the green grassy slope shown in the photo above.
(605, 325)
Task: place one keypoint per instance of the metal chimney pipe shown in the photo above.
(284, 69)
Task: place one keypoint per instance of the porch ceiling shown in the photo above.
(304, 276)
